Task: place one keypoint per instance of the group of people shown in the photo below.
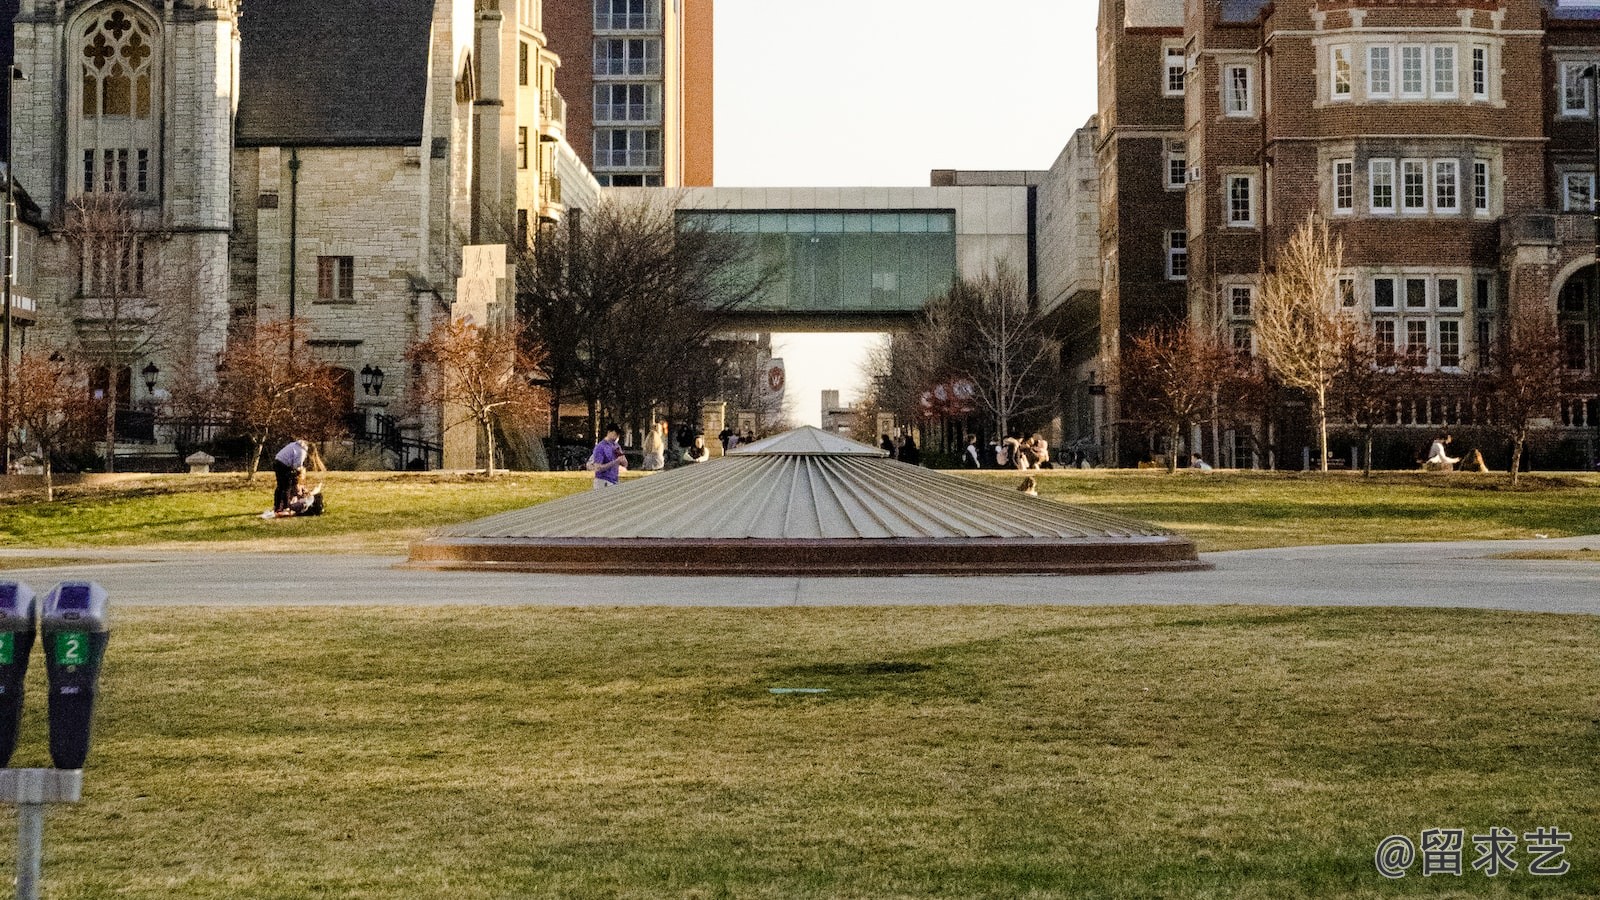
(291, 495)
(902, 448)
(1013, 452)
(731, 438)
(608, 460)
(1440, 460)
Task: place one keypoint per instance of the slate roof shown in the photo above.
(333, 73)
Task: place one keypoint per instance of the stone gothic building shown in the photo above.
(281, 159)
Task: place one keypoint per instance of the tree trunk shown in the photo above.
(1172, 448)
(488, 443)
(49, 478)
(255, 459)
(1321, 412)
(1516, 459)
(1366, 455)
(111, 423)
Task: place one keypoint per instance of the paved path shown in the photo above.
(1445, 574)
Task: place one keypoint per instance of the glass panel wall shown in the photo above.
(843, 261)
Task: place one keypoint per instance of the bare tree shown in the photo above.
(1300, 328)
(1371, 379)
(625, 298)
(265, 391)
(987, 331)
(127, 304)
(1174, 376)
(1525, 380)
(51, 405)
(482, 372)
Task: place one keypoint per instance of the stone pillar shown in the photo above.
(713, 418)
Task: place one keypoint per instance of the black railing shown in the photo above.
(386, 434)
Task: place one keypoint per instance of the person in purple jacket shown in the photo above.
(607, 461)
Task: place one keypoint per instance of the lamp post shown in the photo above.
(13, 75)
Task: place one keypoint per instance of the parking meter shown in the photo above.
(19, 619)
(75, 630)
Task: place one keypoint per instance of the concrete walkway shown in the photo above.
(1441, 574)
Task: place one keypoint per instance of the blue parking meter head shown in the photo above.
(19, 607)
(75, 606)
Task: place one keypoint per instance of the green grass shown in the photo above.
(971, 752)
(1222, 511)
(367, 512)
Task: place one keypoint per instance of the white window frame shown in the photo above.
(1440, 89)
(1408, 169)
(1394, 293)
(1441, 168)
(1174, 252)
(1570, 79)
(1249, 292)
(1170, 52)
(1482, 184)
(1406, 281)
(1425, 358)
(1439, 331)
(1177, 151)
(1393, 343)
(1248, 110)
(1439, 292)
(1374, 89)
(1381, 172)
(1341, 73)
(1421, 71)
(1344, 187)
(1479, 71)
(1229, 181)
(1584, 178)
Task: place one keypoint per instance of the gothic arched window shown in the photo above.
(118, 61)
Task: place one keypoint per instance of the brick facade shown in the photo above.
(1431, 136)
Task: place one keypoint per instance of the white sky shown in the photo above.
(881, 92)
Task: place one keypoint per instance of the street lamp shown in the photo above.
(150, 372)
(8, 273)
(371, 380)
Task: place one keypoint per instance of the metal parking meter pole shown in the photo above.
(29, 790)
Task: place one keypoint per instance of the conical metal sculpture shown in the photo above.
(806, 503)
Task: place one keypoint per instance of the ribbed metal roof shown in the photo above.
(806, 503)
(808, 441)
(801, 497)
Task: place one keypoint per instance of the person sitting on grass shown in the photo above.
(1438, 460)
(1029, 486)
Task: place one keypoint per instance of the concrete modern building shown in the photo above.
(1451, 145)
(867, 259)
(637, 77)
(327, 174)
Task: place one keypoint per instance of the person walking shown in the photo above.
(655, 448)
(286, 469)
(607, 461)
(909, 454)
(972, 457)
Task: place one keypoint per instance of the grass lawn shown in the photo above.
(384, 512)
(971, 752)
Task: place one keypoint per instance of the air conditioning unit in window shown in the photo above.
(1194, 174)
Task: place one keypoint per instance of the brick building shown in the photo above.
(1451, 146)
(637, 78)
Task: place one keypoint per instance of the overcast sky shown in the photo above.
(880, 92)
